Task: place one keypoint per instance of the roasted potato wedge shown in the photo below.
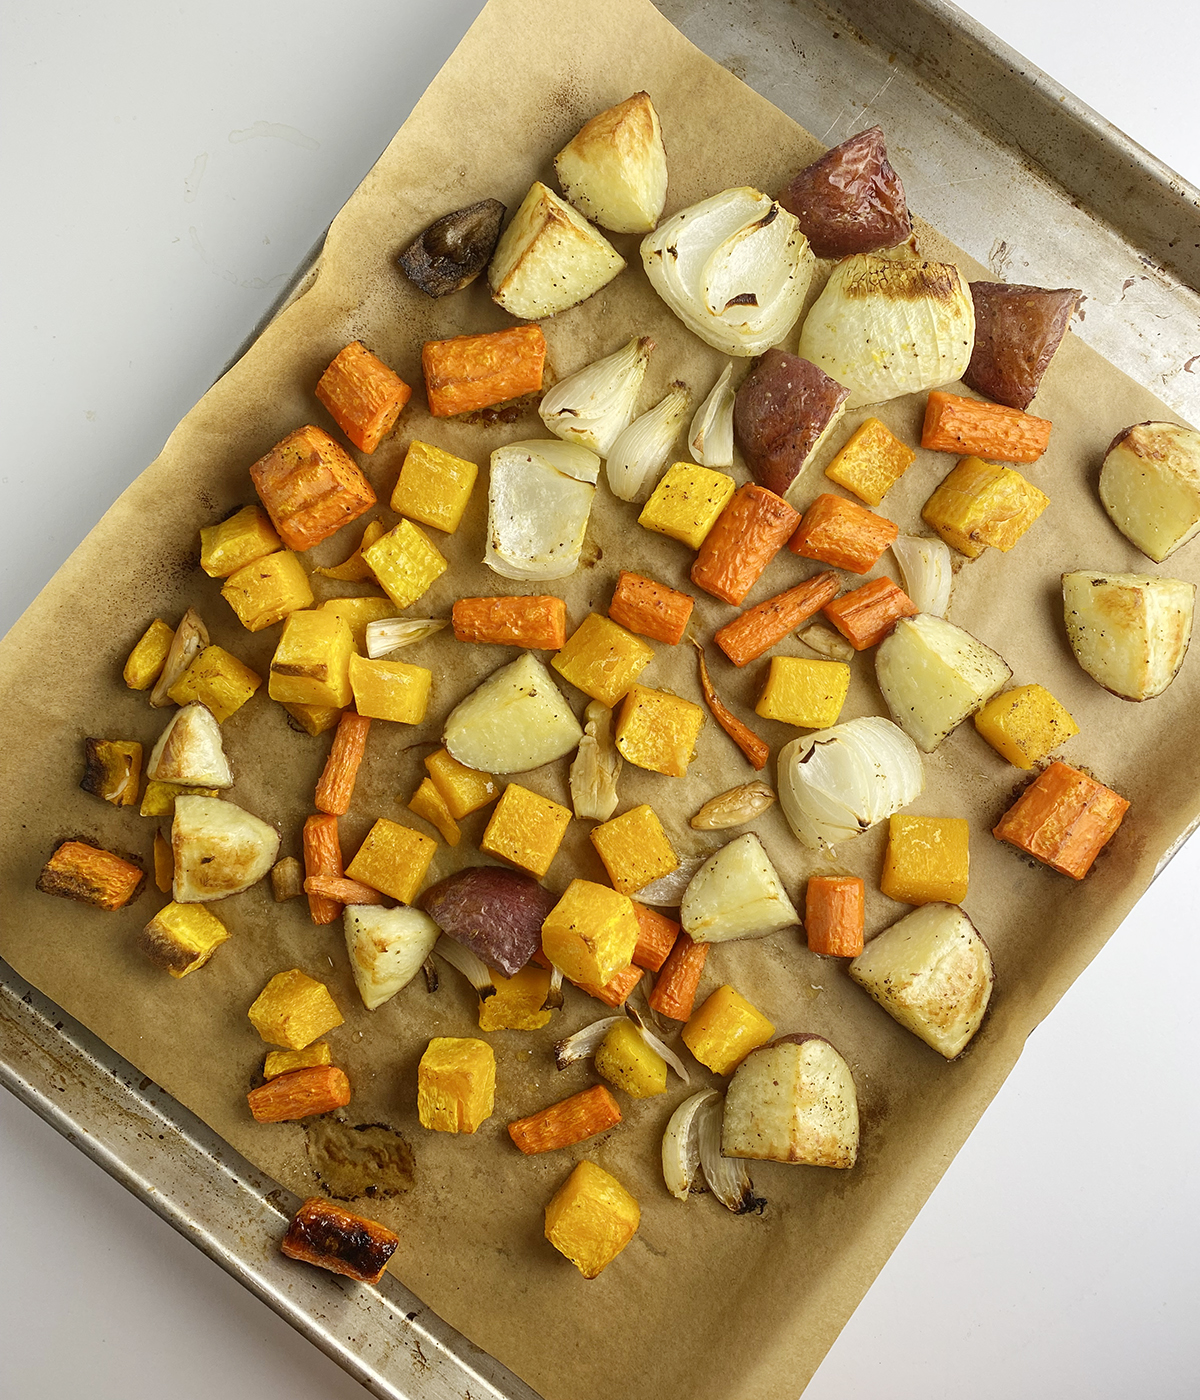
(1150, 486)
(783, 412)
(615, 170)
(1017, 331)
(219, 849)
(386, 948)
(515, 720)
(736, 893)
(189, 751)
(1129, 632)
(850, 200)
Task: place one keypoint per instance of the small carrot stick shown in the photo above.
(656, 937)
(975, 429)
(757, 750)
(834, 915)
(617, 989)
(322, 856)
(1064, 819)
(650, 609)
(300, 1094)
(572, 1120)
(341, 890)
(841, 533)
(869, 613)
(330, 1236)
(363, 395)
(759, 628)
(749, 532)
(475, 371)
(675, 987)
(335, 787)
(538, 621)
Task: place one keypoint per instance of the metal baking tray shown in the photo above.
(952, 98)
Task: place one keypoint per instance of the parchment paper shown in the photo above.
(701, 1303)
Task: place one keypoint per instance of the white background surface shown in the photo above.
(165, 168)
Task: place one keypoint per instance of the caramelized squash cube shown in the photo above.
(725, 1029)
(244, 537)
(627, 1062)
(634, 848)
(363, 395)
(1024, 724)
(871, 462)
(602, 659)
(265, 592)
(393, 859)
(526, 829)
(182, 937)
(293, 1010)
(927, 860)
(658, 731)
(311, 665)
(466, 790)
(112, 770)
(456, 1084)
(92, 876)
(591, 1218)
(158, 799)
(590, 933)
(519, 1002)
(434, 486)
(218, 680)
(311, 487)
(356, 613)
(686, 503)
(1064, 818)
(145, 661)
(284, 1061)
(315, 719)
(809, 694)
(981, 504)
(390, 689)
(406, 562)
(429, 803)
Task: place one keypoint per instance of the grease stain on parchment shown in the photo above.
(360, 1159)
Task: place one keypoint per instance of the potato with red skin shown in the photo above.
(1017, 331)
(850, 200)
(496, 913)
(781, 414)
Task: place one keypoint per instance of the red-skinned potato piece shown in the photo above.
(1017, 331)
(784, 408)
(497, 913)
(850, 200)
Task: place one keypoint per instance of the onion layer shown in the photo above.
(926, 570)
(593, 405)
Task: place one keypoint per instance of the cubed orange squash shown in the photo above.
(434, 486)
(466, 790)
(390, 689)
(658, 731)
(393, 859)
(519, 1001)
(237, 541)
(268, 590)
(871, 462)
(687, 502)
(602, 659)
(725, 1029)
(311, 665)
(218, 680)
(406, 562)
(803, 692)
(146, 660)
(981, 504)
(293, 1010)
(356, 613)
(1024, 724)
(628, 1063)
(927, 860)
(634, 848)
(590, 933)
(456, 1084)
(591, 1218)
(526, 829)
(429, 803)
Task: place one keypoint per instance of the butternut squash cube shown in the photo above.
(429, 803)
(686, 503)
(236, 542)
(284, 1061)
(658, 731)
(627, 1062)
(363, 395)
(871, 462)
(634, 848)
(314, 719)
(158, 798)
(982, 503)
(725, 1029)
(356, 613)
(406, 562)
(590, 933)
(809, 694)
(311, 665)
(146, 660)
(91, 875)
(112, 770)
(1024, 724)
(602, 659)
(591, 1218)
(311, 487)
(466, 790)
(218, 680)
(526, 829)
(434, 486)
(390, 689)
(265, 592)
(1064, 818)
(926, 860)
(393, 859)
(519, 1002)
(456, 1084)
(182, 937)
(293, 1010)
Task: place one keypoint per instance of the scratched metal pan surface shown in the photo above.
(1080, 203)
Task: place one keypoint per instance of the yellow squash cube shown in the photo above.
(466, 790)
(315, 719)
(627, 1062)
(429, 803)
(113, 770)
(456, 1084)
(602, 659)
(526, 829)
(658, 731)
(518, 1003)
(236, 542)
(926, 861)
(393, 859)
(182, 937)
(591, 1218)
(722, 1032)
(871, 462)
(634, 848)
(1024, 724)
(390, 689)
(591, 933)
(218, 680)
(356, 613)
(284, 1061)
(158, 799)
(434, 487)
(145, 661)
(406, 562)
(266, 591)
(806, 693)
(293, 1010)
(981, 504)
(311, 665)
(686, 502)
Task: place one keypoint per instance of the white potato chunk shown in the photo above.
(516, 720)
(189, 751)
(934, 675)
(1130, 632)
(539, 499)
(793, 1101)
(736, 893)
(549, 258)
(1150, 486)
(219, 849)
(932, 972)
(615, 170)
(387, 948)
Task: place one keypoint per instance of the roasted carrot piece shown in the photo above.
(300, 1094)
(675, 987)
(1064, 819)
(537, 621)
(761, 627)
(834, 908)
(757, 750)
(364, 396)
(322, 856)
(650, 609)
(838, 532)
(475, 371)
(333, 1238)
(749, 532)
(335, 786)
(615, 991)
(581, 1116)
(869, 613)
(91, 875)
(341, 890)
(656, 937)
(975, 429)
(310, 487)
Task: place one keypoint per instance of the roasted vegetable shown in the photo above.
(456, 1084)
(591, 1218)
(1017, 331)
(591, 933)
(182, 937)
(515, 720)
(571, 1120)
(470, 372)
(387, 948)
(1129, 632)
(850, 200)
(303, 1093)
(593, 406)
(219, 849)
(614, 171)
(293, 1010)
(526, 829)
(112, 770)
(453, 250)
(596, 766)
(363, 395)
(329, 1236)
(1150, 486)
(310, 487)
(497, 913)
(91, 875)
(782, 414)
(1064, 818)
(539, 498)
(393, 859)
(736, 893)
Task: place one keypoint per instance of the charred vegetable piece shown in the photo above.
(91, 875)
(1017, 331)
(850, 200)
(781, 415)
(454, 249)
(333, 1238)
(496, 913)
(112, 770)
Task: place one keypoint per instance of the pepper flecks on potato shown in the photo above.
(449, 254)
(850, 200)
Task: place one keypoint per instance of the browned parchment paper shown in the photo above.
(701, 1304)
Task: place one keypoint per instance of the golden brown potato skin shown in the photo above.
(779, 414)
(1017, 331)
(850, 200)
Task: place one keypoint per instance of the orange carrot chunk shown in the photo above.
(756, 750)
(869, 613)
(333, 1238)
(335, 787)
(761, 627)
(341, 890)
(572, 1120)
(841, 533)
(91, 876)
(749, 532)
(310, 487)
(1064, 819)
(650, 609)
(322, 856)
(538, 621)
(616, 990)
(364, 396)
(300, 1094)
(975, 429)
(656, 937)
(834, 908)
(475, 371)
(674, 991)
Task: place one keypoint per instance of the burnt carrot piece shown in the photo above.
(572, 1120)
(310, 487)
(341, 890)
(300, 1094)
(975, 429)
(841, 533)
(91, 875)
(749, 532)
(834, 915)
(675, 987)
(364, 396)
(537, 621)
(869, 613)
(650, 609)
(335, 787)
(616, 991)
(757, 750)
(333, 1238)
(475, 371)
(759, 628)
(322, 856)
(656, 937)
(1064, 819)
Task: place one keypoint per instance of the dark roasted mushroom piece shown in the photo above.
(454, 249)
